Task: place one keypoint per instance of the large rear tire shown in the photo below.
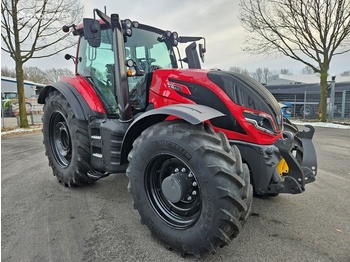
(66, 142)
(188, 186)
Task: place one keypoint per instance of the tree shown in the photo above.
(309, 31)
(258, 75)
(307, 70)
(9, 72)
(53, 75)
(35, 74)
(32, 29)
(237, 69)
(285, 71)
(262, 75)
(266, 75)
(346, 73)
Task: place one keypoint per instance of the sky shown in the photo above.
(217, 21)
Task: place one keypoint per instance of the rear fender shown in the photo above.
(80, 108)
(192, 113)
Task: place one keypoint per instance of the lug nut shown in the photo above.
(194, 183)
(190, 175)
(176, 170)
(183, 170)
(189, 198)
(194, 193)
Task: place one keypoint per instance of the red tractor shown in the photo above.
(194, 143)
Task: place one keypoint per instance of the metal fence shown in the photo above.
(302, 100)
(306, 105)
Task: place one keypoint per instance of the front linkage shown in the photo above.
(299, 153)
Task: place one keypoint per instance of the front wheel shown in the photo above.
(66, 142)
(189, 187)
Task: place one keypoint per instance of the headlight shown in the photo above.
(128, 23)
(167, 33)
(127, 27)
(135, 24)
(261, 121)
(174, 38)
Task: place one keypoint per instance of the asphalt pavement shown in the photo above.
(41, 220)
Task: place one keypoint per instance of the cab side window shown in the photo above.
(97, 64)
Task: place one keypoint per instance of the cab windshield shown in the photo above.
(143, 47)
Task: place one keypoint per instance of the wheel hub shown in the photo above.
(176, 186)
(173, 191)
(60, 139)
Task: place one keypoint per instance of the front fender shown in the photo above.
(192, 113)
(80, 108)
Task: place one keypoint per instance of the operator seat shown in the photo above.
(139, 95)
(104, 88)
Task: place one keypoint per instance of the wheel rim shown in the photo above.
(289, 110)
(60, 139)
(180, 214)
(306, 111)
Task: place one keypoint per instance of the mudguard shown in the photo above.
(192, 113)
(80, 108)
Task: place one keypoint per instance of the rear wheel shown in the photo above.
(339, 110)
(307, 111)
(188, 186)
(66, 141)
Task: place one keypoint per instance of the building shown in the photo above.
(9, 100)
(282, 79)
(31, 89)
(303, 99)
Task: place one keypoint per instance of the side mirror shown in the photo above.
(202, 50)
(192, 56)
(92, 31)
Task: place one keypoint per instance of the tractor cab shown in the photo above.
(142, 50)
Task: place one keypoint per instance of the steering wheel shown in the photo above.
(145, 63)
(149, 60)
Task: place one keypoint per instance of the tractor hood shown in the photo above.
(238, 97)
(260, 105)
